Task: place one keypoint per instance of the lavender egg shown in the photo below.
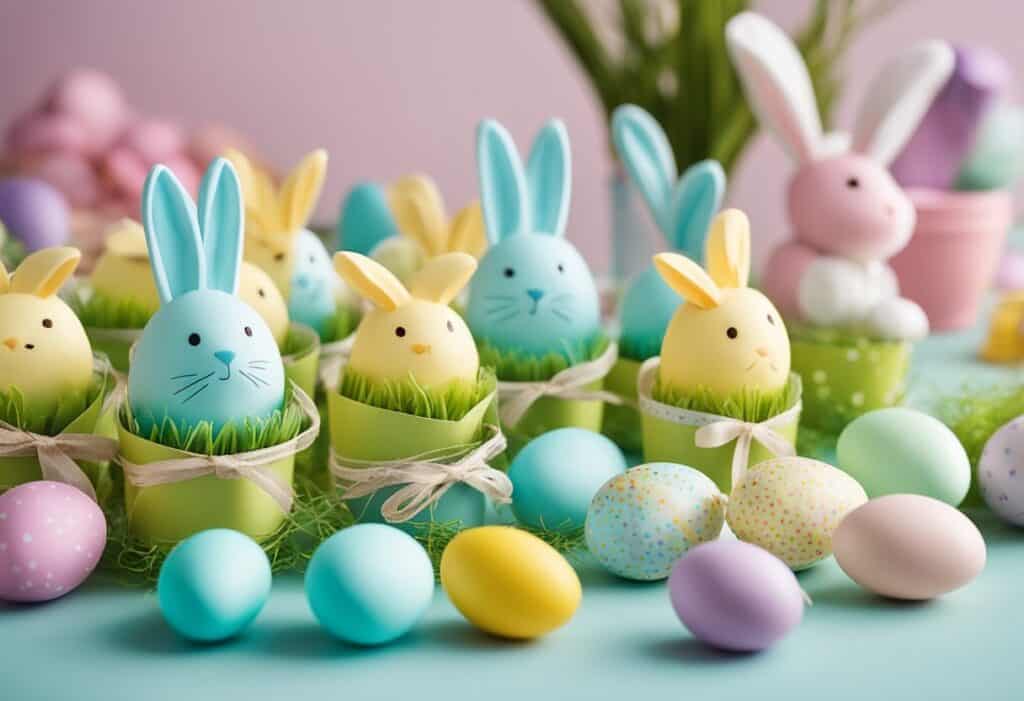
(35, 212)
(1001, 472)
(735, 596)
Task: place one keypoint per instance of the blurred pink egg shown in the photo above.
(37, 132)
(1010, 274)
(51, 539)
(126, 170)
(94, 99)
(153, 140)
(211, 140)
(72, 175)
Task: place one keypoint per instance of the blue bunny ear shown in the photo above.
(549, 178)
(365, 219)
(221, 225)
(695, 201)
(503, 191)
(645, 151)
(172, 235)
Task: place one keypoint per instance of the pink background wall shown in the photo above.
(393, 86)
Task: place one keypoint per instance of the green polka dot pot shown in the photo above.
(846, 376)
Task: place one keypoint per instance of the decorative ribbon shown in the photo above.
(425, 478)
(515, 398)
(248, 466)
(714, 431)
(333, 357)
(57, 454)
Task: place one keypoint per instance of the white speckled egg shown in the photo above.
(642, 521)
(1001, 472)
(791, 506)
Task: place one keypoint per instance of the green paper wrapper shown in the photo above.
(550, 413)
(622, 423)
(302, 363)
(363, 432)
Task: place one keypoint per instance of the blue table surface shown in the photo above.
(106, 642)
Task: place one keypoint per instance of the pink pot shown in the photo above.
(951, 260)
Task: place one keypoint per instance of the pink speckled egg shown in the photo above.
(51, 539)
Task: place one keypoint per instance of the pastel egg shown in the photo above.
(791, 507)
(51, 539)
(1001, 472)
(508, 582)
(903, 451)
(642, 521)
(213, 584)
(369, 584)
(735, 596)
(908, 546)
(34, 212)
(556, 475)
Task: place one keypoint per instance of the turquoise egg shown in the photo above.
(213, 585)
(369, 584)
(646, 308)
(903, 451)
(556, 475)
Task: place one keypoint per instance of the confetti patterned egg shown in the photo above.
(51, 538)
(1001, 472)
(642, 521)
(791, 506)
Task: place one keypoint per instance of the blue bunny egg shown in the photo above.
(533, 294)
(644, 313)
(556, 475)
(365, 219)
(213, 585)
(369, 584)
(311, 293)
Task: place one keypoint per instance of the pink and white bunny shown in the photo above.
(849, 216)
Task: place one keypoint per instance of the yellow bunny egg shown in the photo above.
(44, 351)
(123, 272)
(257, 289)
(727, 337)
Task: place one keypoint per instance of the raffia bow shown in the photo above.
(425, 478)
(57, 454)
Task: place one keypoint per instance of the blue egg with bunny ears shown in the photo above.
(532, 293)
(205, 355)
(682, 208)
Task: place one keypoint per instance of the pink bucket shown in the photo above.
(952, 258)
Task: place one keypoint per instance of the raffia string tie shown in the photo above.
(424, 478)
(516, 398)
(251, 465)
(57, 454)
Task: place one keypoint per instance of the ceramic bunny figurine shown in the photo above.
(278, 241)
(205, 355)
(682, 208)
(44, 351)
(533, 293)
(412, 332)
(727, 338)
(849, 215)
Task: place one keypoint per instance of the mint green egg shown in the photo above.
(904, 451)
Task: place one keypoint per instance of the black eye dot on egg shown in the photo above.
(30, 346)
(193, 339)
(400, 331)
(450, 325)
(261, 292)
(509, 272)
(771, 320)
(561, 268)
(248, 330)
(47, 323)
(278, 257)
(731, 332)
(853, 182)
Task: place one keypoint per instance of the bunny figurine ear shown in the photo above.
(502, 183)
(371, 280)
(300, 192)
(777, 83)
(728, 249)
(647, 155)
(899, 97)
(172, 235)
(549, 179)
(365, 219)
(43, 272)
(5, 279)
(221, 224)
(466, 233)
(419, 212)
(696, 198)
(688, 279)
(443, 277)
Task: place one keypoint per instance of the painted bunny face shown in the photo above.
(533, 292)
(412, 332)
(44, 351)
(205, 355)
(313, 283)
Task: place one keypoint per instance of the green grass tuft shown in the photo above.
(449, 403)
(749, 405)
(639, 350)
(977, 414)
(99, 311)
(514, 366)
(68, 408)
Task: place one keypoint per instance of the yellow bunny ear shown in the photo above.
(126, 239)
(418, 208)
(467, 231)
(371, 280)
(301, 190)
(259, 194)
(243, 168)
(43, 272)
(441, 278)
(5, 279)
(688, 279)
(728, 249)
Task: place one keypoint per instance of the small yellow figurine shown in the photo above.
(1005, 342)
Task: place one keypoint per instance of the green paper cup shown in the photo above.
(843, 380)
(302, 357)
(622, 423)
(363, 432)
(550, 413)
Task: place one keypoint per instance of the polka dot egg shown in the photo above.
(791, 506)
(51, 538)
(640, 522)
(1001, 472)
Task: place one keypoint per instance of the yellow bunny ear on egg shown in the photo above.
(260, 195)
(5, 279)
(418, 208)
(728, 249)
(126, 239)
(43, 272)
(467, 231)
(443, 277)
(371, 280)
(301, 190)
(688, 279)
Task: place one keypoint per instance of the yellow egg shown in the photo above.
(257, 289)
(508, 582)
